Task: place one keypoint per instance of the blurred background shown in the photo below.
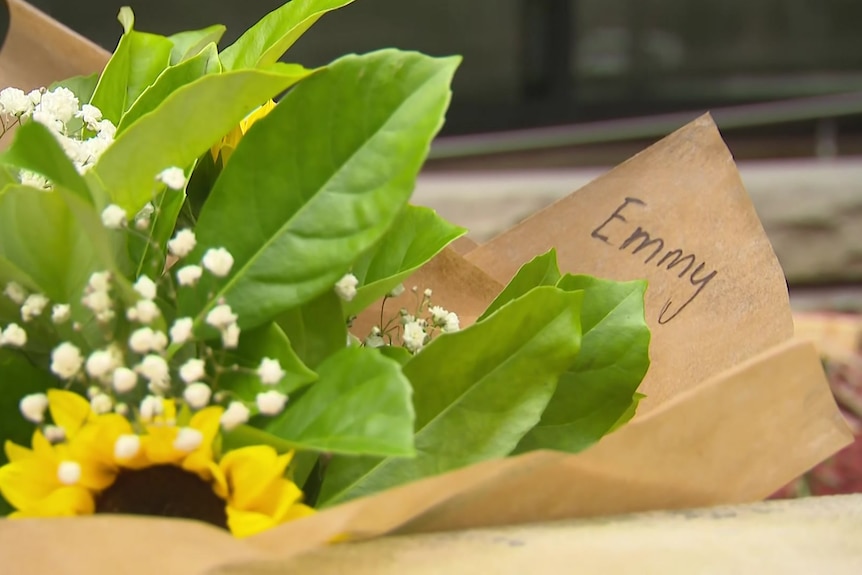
(553, 93)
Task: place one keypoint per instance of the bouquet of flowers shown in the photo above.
(189, 243)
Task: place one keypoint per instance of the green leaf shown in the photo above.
(266, 341)
(206, 62)
(399, 354)
(37, 150)
(129, 166)
(266, 42)
(316, 329)
(476, 392)
(148, 253)
(134, 65)
(17, 378)
(323, 176)
(416, 237)
(540, 271)
(189, 44)
(82, 86)
(360, 405)
(599, 391)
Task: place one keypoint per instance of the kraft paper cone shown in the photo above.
(735, 410)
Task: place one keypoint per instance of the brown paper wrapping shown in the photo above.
(736, 408)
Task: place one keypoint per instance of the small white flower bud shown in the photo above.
(121, 409)
(142, 340)
(221, 316)
(413, 336)
(151, 406)
(397, 291)
(218, 261)
(126, 447)
(183, 243)
(15, 292)
(33, 306)
(197, 395)
(154, 368)
(173, 178)
(452, 323)
(69, 472)
(114, 217)
(101, 403)
(189, 275)
(61, 313)
(33, 407)
(230, 336)
(193, 370)
(66, 360)
(346, 287)
(146, 287)
(270, 372)
(188, 439)
(54, 434)
(235, 415)
(145, 311)
(271, 402)
(181, 331)
(13, 336)
(124, 380)
(100, 363)
(100, 281)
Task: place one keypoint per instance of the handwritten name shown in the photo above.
(641, 240)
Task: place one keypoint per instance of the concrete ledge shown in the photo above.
(811, 209)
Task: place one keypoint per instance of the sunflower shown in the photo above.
(102, 464)
(229, 143)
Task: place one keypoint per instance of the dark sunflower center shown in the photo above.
(163, 491)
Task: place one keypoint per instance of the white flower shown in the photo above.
(151, 406)
(142, 340)
(218, 261)
(188, 439)
(66, 360)
(189, 275)
(230, 336)
(15, 102)
(54, 434)
(154, 368)
(271, 402)
(91, 116)
(114, 217)
(428, 292)
(374, 340)
(146, 287)
(48, 120)
(451, 324)
(397, 290)
(34, 180)
(413, 336)
(33, 407)
(125, 380)
(100, 363)
(346, 287)
(270, 371)
(35, 96)
(61, 103)
(197, 395)
(173, 178)
(100, 303)
(69, 472)
(183, 243)
(127, 446)
(142, 218)
(15, 292)
(235, 415)
(33, 306)
(106, 130)
(101, 403)
(193, 370)
(181, 331)
(13, 336)
(438, 314)
(145, 311)
(61, 313)
(221, 316)
(99, 281)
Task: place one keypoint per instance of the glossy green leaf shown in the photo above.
(135, 64)
(203, 112)
(316, 329)
(417, 235)
(323, 176)
(360, 405)
(540, 271)
(173, 78)
(148, 253)
(266, 42)
(17, 379)
(266, 341)
(399, 354)
(36, 149)
(599, 391)
(82, 86)
(187, 45)
(476, 392)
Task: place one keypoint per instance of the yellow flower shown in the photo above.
(101, 452)
(229, 143)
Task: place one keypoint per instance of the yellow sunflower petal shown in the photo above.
(69, 410)
(14, 452)
(158, 445)
(250, 472)
(249, 120)
(247, 523)
(207, 422)
(62, 502)
(26, 482)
